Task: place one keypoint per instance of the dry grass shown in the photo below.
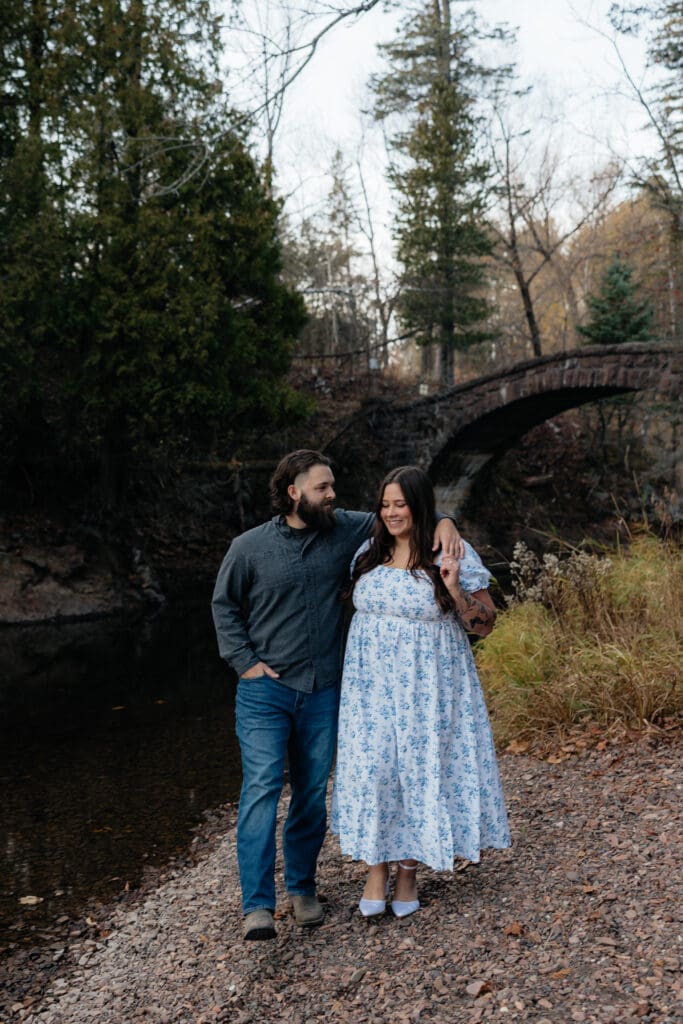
(587, 639)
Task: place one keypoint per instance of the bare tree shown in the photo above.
(530, 209)
(658, 95)
(386, 294)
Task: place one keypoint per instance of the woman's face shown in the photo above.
(395, 513)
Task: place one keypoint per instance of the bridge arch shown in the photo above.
(473, 423)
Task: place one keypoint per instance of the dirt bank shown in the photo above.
(579, 921)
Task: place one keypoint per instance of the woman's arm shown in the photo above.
(476, 611)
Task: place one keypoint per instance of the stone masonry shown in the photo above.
(472, 423)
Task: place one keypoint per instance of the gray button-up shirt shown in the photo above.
(276, 599)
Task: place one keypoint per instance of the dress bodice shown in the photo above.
(398, 593)
(402, 593)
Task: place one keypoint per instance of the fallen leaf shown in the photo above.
(515, 928)
(517, 747)
(30, 901)
(562, 973)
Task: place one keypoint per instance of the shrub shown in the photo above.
(587, 638)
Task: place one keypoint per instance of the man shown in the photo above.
(279, 623)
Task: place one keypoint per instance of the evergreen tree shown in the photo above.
(616, 313)
(432, 87)
(143, 298)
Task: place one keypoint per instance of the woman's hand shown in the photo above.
(450, 570)
(476, 611)
(447, 538)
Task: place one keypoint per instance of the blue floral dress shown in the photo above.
(416, 774)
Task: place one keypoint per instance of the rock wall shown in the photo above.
(66, 583)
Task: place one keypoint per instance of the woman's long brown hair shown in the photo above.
(418, 492)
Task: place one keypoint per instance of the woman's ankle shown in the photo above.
(376, 882)
(405, 889)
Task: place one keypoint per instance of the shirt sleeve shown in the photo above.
(364, 547)
(228, 609)
(473, 573)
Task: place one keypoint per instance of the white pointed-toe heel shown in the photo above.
(373, 908)
(404, 908)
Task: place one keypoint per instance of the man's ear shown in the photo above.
(293, 492)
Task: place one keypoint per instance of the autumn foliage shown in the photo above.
(587, 639)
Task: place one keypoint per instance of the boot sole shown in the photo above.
(311, 924)
(259, 934)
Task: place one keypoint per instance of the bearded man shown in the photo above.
(279, 623)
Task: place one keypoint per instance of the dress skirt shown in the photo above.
(416, 773)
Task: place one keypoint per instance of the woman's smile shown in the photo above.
(396, 514)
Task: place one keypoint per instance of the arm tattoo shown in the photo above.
(473, 613)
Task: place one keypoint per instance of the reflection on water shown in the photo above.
(115, 738)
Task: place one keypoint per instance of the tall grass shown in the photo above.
(587, 639)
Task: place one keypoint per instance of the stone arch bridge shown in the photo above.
(470, 424)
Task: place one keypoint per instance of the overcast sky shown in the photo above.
(574, 70)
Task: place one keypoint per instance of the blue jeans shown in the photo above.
(272, 721)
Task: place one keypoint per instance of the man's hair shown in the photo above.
(286, 472)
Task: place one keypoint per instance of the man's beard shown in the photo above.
(319, 517)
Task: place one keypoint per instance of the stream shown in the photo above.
(115, 737)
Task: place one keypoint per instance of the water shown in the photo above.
(115, 737)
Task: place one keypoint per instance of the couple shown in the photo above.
(416, 777)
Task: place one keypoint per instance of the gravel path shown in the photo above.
(580, 921)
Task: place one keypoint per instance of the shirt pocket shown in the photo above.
(334, 560)
(273, 570)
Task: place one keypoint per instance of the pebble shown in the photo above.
(177, 955)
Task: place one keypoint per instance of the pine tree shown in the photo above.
(432, 87)
(616, 313)
(144, 300)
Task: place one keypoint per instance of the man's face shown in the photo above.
(313, 495)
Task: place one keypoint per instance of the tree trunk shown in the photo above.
(675, 274)
(529, 312)
(446, 365)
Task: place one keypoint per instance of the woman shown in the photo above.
(416, 777)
